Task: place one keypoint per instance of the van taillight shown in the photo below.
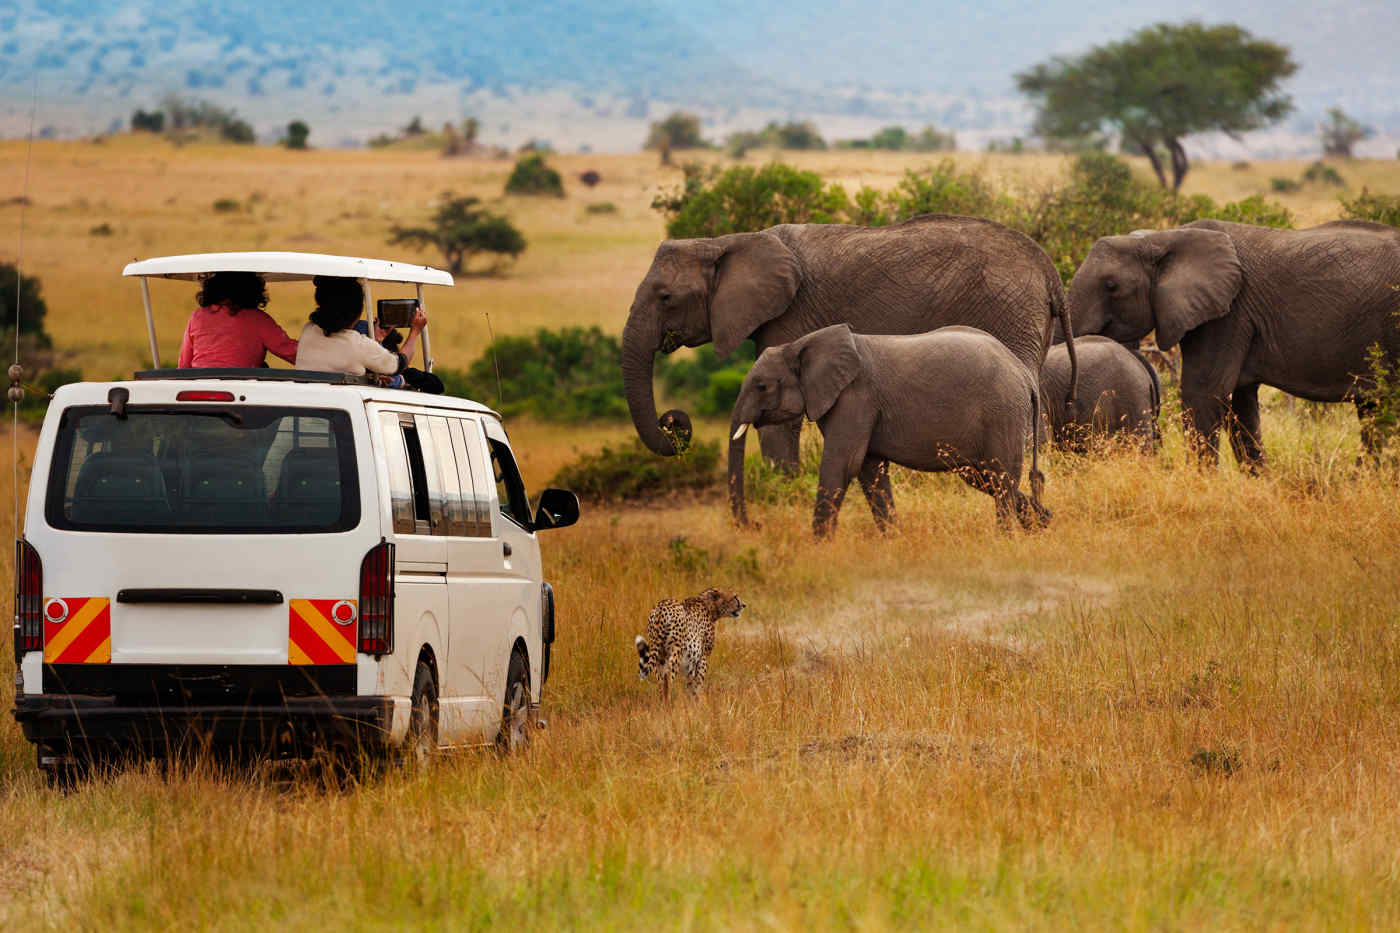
(377, 600)
(203, 395)
(29, 599)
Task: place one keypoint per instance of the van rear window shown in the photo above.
(225, 469)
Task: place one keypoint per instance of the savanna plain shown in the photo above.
(1176, 708)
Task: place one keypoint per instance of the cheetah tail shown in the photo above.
(643, 668)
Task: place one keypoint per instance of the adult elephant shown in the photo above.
(779, 284)
(1250, 306)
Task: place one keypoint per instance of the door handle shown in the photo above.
(505, 546)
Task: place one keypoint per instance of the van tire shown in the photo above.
(421, 745)
(514, 736)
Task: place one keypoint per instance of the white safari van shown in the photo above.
(277, 559)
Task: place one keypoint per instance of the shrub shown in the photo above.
(32, 308)
(297, 133)
(143, 122)
(1323, 174)
(943, 189)
(1380, 208)
(1382, 421)
(226, 206)
(1284, 185)
(691, 377)
(532, 176)
(743, 199)
(632, 472)
(564, 375)
(1254, 210)
(102, 229)
(796, 135)
(238, 131)
(929, 139)
(600, 207)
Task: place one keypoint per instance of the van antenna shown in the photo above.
(16, 373)
(500, 400)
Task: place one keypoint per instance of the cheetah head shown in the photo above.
(724, 602)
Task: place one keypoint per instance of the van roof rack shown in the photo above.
(260, 374)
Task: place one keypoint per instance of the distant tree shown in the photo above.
(415, 127)
(471, 128)
(297, 132)
(238, 131)
(533, 176)
(796, 135)
(32, 308)
(143, 122)
(1340, 132)
(461, 229)
(929, 139)
(1161, 84)
(680, 130)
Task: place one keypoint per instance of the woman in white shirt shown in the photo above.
(330, 342)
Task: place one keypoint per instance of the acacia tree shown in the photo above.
(1161, 84)
(1340, 132)
(461, 229)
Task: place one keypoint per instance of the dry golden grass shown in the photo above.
(1176, 708)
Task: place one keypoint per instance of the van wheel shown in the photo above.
(514, 736)
(422, 742)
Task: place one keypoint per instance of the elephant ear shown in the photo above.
(1198, 276)
(756, 278)
(826, 361)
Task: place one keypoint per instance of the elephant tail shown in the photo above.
(1037, 478)
(1155, 383)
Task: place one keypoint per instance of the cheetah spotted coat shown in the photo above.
(681, 635)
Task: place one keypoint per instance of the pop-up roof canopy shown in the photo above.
(286, 267)
(281, 267)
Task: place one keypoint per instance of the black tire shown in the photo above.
(514, 736)
(421, 745)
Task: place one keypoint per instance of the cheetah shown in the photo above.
(681, 634)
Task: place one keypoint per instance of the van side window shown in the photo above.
(454, 522)
(400, 476)
(476, 497)
(510, 489)
(418, 474)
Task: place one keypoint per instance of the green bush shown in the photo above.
(897, 138)
(690, 377)
(1380, 208)
(601, 207)
(227, 206)
(564, 375)
(680, 130)
(1323, 174)
(632, 472)
(943, 189)
(32, 307)
(532, 176)
(1284, 185)
(743, 198)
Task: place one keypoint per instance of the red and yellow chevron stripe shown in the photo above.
(77, 630)
(322, 631)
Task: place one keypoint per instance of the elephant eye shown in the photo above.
(1110, 285)
(665, 296)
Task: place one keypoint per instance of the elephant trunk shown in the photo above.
(669, 434)
(738, 429)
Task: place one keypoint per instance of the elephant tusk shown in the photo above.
(740, 433)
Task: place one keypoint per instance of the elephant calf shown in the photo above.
(951, 400)
(1119, 392)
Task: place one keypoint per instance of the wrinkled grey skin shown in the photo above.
(1251, 306)
(953, 400)
(787, 281)
(1119, 393)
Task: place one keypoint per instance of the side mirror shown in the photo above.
(558, 509)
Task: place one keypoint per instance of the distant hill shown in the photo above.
(583, 74)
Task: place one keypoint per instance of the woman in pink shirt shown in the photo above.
(230, 329)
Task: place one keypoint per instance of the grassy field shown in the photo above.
(1177, 708)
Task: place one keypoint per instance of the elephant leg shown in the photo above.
(1202, 416)
(1245, 438)
(831, 491)
(874, 479)
(780, 444)
(1211, 359)
(1366, 408)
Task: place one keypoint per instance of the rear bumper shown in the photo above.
(292, 725)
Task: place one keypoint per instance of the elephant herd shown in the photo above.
(942, 342)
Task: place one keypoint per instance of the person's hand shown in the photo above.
(420, 321)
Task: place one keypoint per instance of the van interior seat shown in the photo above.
(308, 487)
(223, 491)
(123, 489)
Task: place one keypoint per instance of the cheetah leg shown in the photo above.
(695, 676)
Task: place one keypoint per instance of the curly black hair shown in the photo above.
(239, 289)
(339, 303)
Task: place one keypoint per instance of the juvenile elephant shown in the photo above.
(1119, 392)
(1251, 306)
(787, 281)
(954, 400)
